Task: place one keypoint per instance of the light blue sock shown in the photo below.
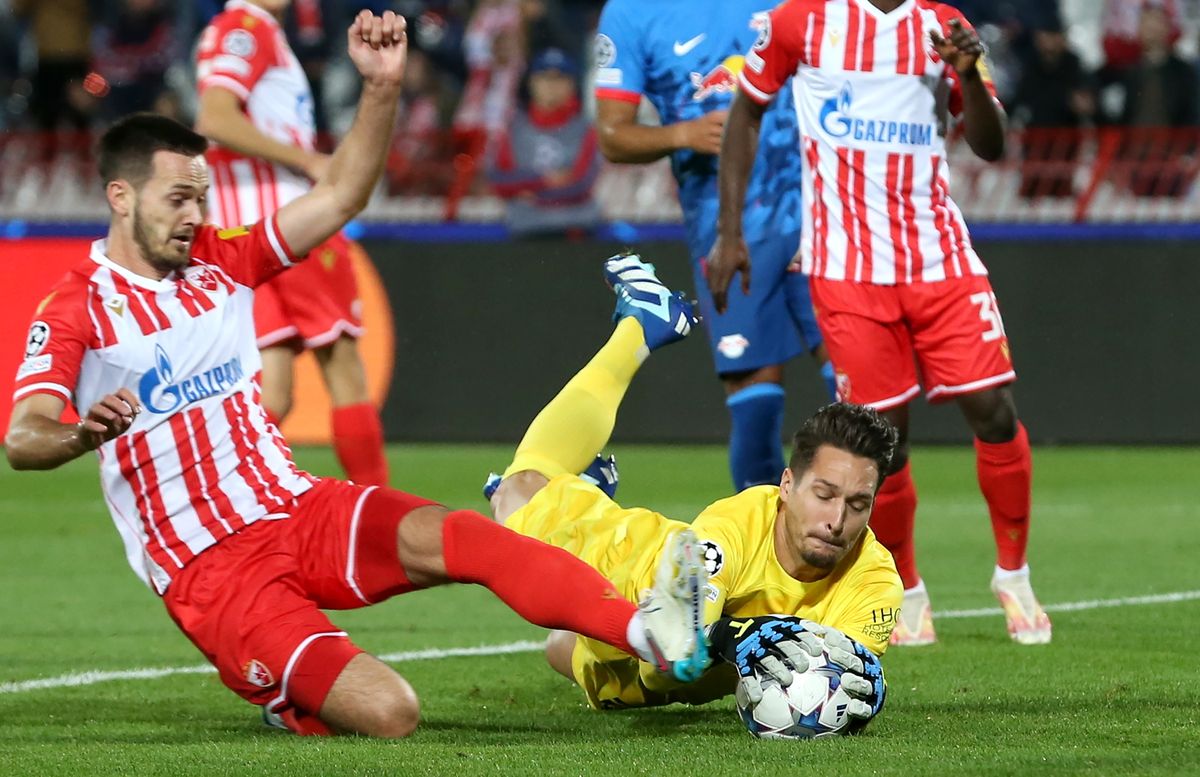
(830, 379)
(755, 441)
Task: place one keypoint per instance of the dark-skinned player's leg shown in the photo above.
(1004, 465)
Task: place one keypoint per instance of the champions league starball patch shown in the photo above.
(39, 335)
(713, 557)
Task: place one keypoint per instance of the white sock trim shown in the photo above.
(1004, 575)
(917, 589)
(635, 634)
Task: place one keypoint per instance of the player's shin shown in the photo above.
(543, 584)
(1005, 473)
(569, 431)
(755, 452)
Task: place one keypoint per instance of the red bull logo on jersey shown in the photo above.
(161, 394)
(838, 122)
(722, 79)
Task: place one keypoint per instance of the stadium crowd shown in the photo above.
(1060, 67)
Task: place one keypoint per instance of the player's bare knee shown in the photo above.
(992, 414)
(515, 492)
(560, 649)
(395, 715)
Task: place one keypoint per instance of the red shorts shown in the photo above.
(252, 603)
(313, 303)
(885, 342)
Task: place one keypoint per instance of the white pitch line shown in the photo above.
(527, 646)
(1093, 604)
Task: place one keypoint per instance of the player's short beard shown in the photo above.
(158, 258)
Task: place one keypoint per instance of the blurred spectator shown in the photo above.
(546, 164)
(305, 24)
(132, 49)
(1160, 88)
(1161, 108)
(1122, 37)
(494, 47)
(421, 158)
(1054, 97)
(61, 30)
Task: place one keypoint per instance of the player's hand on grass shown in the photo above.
(728, 257)
(702, 135)
(109, 418)
(961, 50)
(378, 47)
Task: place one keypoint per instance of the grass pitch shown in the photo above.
(1114, 694)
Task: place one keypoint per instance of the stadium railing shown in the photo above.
(1098, 176)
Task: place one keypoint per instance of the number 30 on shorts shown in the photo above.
(989, 314)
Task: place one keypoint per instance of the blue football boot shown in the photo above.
(665, 316)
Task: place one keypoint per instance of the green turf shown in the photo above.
(1114, 694)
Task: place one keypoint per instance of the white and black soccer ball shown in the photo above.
(814, 705)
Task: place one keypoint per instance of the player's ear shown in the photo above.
(120, 195)
(786, 480)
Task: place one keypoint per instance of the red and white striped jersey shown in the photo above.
(873, 100)
(244, 51)
(201, 460)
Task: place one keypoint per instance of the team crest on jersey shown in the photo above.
(712, 556)
(239, 43)
(39, 335)
(202, 278)
(258, 674)
(843, 386)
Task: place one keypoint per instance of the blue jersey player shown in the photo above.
(684, 56)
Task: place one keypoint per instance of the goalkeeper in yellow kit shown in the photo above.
(799, 549)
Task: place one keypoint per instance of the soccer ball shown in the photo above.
(814, 705)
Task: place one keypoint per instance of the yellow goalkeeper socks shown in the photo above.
(576, 425)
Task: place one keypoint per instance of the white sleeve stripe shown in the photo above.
(225, 82)
(273, 238)
(756, 94)
(57, 388)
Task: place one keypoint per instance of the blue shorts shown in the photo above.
(771, 324)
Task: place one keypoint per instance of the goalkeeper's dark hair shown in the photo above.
(852, 428)
(126, 150)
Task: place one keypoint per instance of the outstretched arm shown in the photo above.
(378, 48)
(738, 149)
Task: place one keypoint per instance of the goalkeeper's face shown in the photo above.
(825, 509)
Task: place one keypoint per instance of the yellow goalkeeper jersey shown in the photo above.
(860, 597)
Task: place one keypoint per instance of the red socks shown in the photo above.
(543, 584)
(358, 443)
(892, 521)
(1006, 477)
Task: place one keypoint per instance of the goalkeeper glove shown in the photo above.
(770, 644)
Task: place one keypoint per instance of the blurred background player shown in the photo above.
(684, 57)
(895, 280)
(255, 102)
(799, 547)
